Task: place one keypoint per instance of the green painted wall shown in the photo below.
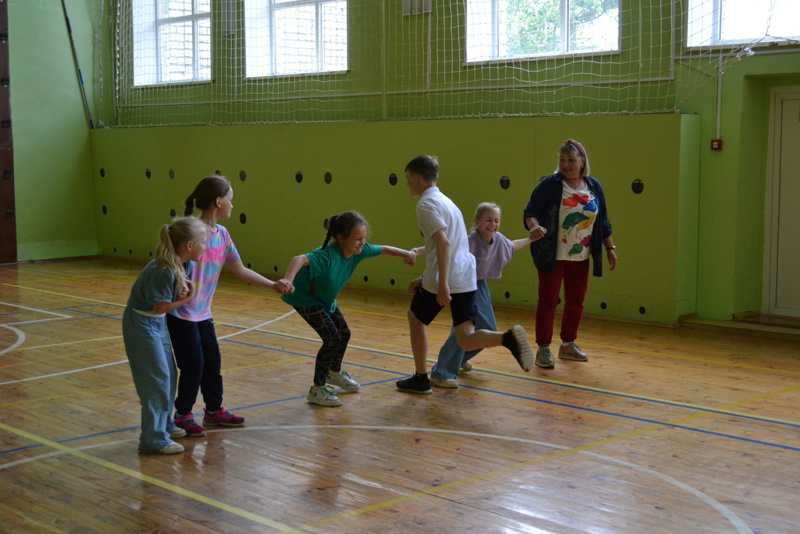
(52, 152)
(692, 242)
(284, 217)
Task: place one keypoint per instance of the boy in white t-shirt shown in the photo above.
(449, 278)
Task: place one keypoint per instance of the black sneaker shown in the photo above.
(516, 340)
(415, 384)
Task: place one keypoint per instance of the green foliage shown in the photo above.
(534, 26)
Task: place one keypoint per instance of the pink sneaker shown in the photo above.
(187, 423)
(222, 417)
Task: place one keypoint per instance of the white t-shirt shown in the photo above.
(436, 212)
(575, 222)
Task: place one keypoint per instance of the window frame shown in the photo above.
(716, 7)
(268, 9)
(153, 49)
(563, 40)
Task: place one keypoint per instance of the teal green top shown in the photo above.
(327, 272)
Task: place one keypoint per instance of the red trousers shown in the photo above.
(575, 275)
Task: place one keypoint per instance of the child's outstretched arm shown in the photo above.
(519, 244)
(297, 263)
(248, 275)
(183, 298)
(409, 256)
(419, 251)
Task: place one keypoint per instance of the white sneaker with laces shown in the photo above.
(344, 381)
(323, 396)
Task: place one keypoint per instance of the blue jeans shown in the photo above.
(451, 356)
(198, 357)
(154, 375)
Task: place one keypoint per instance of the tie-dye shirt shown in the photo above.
(220, 251)
(576, 218)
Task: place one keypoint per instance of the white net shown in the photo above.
(266, 61)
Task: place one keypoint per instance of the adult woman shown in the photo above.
(569, 225)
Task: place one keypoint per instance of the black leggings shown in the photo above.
(333, 330)
(198, 358)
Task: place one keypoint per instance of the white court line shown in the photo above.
(22, 339)
(35, 310)
(727, 513)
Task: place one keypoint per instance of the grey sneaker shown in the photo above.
(466, 366)
(344, 381)
(544, 358)
(444, 382)
(571, 351)
(516, 340)
(323, 396)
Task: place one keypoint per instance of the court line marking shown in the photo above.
(564, 450)
(22, 339)
(153, 481)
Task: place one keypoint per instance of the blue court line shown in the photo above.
(536, 380)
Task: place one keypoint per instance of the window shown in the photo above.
(294, 36)
(171, 41)
(722, 22)
(505, 29)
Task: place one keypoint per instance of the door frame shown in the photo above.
(777, 96)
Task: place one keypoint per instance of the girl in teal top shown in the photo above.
(311, 284)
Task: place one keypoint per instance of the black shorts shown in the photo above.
(462, 306)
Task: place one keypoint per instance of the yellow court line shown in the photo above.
(153, 481)
(520, 465)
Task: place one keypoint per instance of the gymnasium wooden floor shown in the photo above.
(662, 431)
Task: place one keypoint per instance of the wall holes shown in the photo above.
(508, 295)
(642, 310)
(242, 218)
(102, 172)
(105, 210)
(603, 305)
(242, 175)
(393, 179)
(391, 281)
(172, 213)
(366, 278)
(637, 186)
(298, 177)
(171, 174)
(147, 173)
(505, 182)
(328, 177)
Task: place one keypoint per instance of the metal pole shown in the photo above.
(77, 66)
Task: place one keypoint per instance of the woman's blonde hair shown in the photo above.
(182, 230)
(482, 208)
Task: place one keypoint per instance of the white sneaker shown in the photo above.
(323, 396)
(444, 382)
(177, 432)
(344, 381)
(466, 366)
(171, 448)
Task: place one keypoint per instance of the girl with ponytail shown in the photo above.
(311, 284)
(161, 287)
(191, 327)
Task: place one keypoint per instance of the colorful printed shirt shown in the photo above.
(220, 251)
(327, 272)
(575, 222)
